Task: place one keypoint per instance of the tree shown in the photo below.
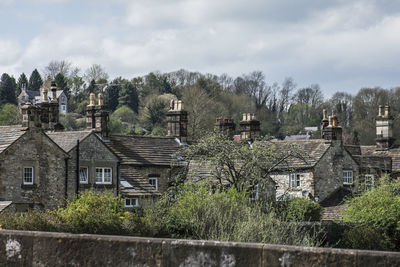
(35, 81)
(55, 67)
(7, 90)
(378, 208)
(239, 164)
(111, 93)
(22, 82)
(128, 96)
(10, 115)
(62, 84)
(95, 72)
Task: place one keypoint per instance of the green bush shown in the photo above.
(223, 215)
(378, 208)
(93, 212)
(365, 237)
(302, 209)
(32, 220)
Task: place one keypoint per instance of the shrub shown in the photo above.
(93, 212)
(32, 220)
(223, 215)
(302, 209)
(365, 237)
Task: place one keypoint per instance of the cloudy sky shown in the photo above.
(342, 45)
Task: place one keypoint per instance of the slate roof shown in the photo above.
(309, 152)
(143, 150)
(133, 184)
(9, 134)
(4, 205)
(32, 94)
(68, 140)
(383, 155)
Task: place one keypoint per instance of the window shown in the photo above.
(254, 193)
(83, 175)
(103, 175)
(369, 181)
(28, 175)
(347, 177)
(154, 182)
(294, 180)
(131, 202)
(63, 107)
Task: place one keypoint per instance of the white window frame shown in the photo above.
(348, 177)
(103, 175)
(32, 178)
(87, 175)
(371, 181)
(294, 180)
(155, 180)
(131, 202)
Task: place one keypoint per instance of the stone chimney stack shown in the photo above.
(324, 123)
(45, 110)
(249, 127)
(102, 117)
(30, 116)
(384, 128)
(226, 126)
(90, 113)
(177, 120)
(54, 110)
(331, 132)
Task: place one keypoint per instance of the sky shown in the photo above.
(342, 45)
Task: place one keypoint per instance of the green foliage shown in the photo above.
(153, 114)
(302, 209)
(10, 115)
(128, 96)
(30, 221)
(222, 215)
(35, 81)
(7, 90)
(365, 237)
(124, 114)
(73, 121)
(378, 208)
(22, 81)
(92, 212)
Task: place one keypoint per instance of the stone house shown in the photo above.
(37, 98)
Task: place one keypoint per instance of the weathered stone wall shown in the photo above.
(328, 172)
(92, 153)
(33, 149)
(306, 183)
(20, 248)
(162, 172)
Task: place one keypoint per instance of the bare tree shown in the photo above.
(58, 66)
(95, 73)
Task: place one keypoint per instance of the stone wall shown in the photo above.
(306, 183)
(22, 248)
(92, 153)
(33, 149)
(328, 173)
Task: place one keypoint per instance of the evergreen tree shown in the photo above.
(7, 90)
(111, 94)
(92, 88)
(62, 84)
(35, 81)
(22, 81)
(128, 96)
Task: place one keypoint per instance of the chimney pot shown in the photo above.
(380, 109)
(92, 99)
(325, 117)
(171, 104)
(101, 99)
(387, 111)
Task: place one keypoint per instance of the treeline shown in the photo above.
(138, 104)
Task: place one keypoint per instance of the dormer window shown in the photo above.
(154, 182)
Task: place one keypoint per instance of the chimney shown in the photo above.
(53, 108)
(384, 129)
(90, 113)
(249, 127)
(331, 132)
(45, 110)
(177, 121)
(101, 117)
(30, 116)
(226, 126)
(324, 122)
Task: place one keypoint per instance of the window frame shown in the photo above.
(371, 183)
(87, 175)
(296, 178)
(134, 202)
(154, 178)
(347, 178)
(33, 175)
(103, 175)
